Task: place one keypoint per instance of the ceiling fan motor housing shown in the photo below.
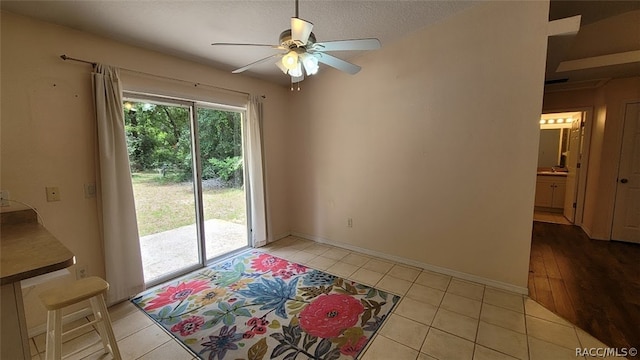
(287, 42)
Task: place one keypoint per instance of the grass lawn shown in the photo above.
(164, 206)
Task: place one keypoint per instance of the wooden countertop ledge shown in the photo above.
(28, 249)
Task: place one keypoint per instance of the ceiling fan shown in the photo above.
(301, 51)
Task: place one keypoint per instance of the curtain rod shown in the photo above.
(65, 57)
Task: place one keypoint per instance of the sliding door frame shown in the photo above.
(245, 176)
(197, 176)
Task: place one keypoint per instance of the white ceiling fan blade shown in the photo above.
(346, 45)
(300, 30)
(241, 44)
(337, 63)
(268, 58)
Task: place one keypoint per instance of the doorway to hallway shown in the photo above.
(561, 169)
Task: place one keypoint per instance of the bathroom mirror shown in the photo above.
(552, 147)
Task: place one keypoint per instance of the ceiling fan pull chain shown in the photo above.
(298, 84)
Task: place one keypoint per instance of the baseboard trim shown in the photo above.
(278, 237)
(402, 260)
(586, 230)
(590, 234)
(41, 329)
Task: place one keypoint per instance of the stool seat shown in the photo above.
(77, 291)
(55, 300)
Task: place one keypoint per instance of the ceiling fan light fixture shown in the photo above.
(281, 66)
(301, 54)
(290, 61)
(296, 71)
(310, 64)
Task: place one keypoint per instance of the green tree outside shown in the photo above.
(159, 139)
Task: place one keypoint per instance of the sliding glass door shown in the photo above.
(187, 168)
(223, 192)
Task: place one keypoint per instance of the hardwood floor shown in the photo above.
(591, 283)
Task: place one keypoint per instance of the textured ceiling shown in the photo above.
(186, 28)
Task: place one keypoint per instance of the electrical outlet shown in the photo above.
(4, 198)
(53, 193)
(81, 272)
(350, 222)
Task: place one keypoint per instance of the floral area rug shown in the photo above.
(258, 306)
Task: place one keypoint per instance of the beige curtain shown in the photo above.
(256, 173)
(123, 263)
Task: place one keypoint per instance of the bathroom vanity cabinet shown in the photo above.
(550, 191)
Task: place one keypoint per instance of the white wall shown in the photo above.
(48, 132)
(431, 148)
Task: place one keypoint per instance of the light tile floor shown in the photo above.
(550, 217)
(439, 317)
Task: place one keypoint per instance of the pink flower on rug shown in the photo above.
(177, 293)
(328, 315)
(284, 274)
(351, 349)
(188, 326)
(299, 269)
(266, 262)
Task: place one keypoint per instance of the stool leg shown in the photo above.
(99, 317)
(108, 329)
(49, 335)
(54, 335)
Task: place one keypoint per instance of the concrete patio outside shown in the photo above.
(175, 249)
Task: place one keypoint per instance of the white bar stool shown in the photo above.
(91, 288)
